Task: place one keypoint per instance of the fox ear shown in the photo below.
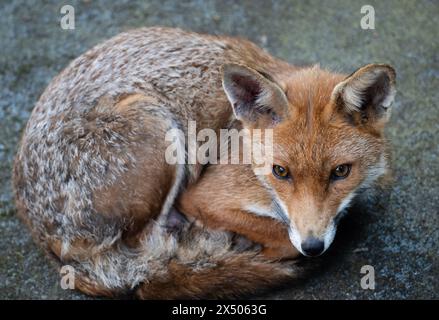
(256, 100)
(366, 95)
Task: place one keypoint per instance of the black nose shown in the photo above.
(312, 247)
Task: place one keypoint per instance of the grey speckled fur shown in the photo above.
(76, 144)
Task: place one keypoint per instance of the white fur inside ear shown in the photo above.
(354, 90)
(265, 97)
(389, 98)
(253, 96)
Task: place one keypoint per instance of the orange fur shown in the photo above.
(317, 135)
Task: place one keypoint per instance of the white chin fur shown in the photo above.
(295, 239)
(329, 235)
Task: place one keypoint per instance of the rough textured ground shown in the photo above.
(399, 238)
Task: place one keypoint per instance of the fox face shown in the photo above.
(328, 141)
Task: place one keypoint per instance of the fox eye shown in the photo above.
(280, 172)
(341, 172)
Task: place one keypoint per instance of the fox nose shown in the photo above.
(312, 247)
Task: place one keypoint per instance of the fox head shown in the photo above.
(328, 140)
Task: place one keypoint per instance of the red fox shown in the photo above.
(92, 184)
(329, 148)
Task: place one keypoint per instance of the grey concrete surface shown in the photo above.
(399, 237)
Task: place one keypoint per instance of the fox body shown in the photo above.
(92, 184)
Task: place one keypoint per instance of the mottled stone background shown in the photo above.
(399, 238)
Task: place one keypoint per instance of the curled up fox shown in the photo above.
(92, 183)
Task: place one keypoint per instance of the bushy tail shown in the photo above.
(201, 264)
(228, 276)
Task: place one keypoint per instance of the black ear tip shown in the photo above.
(387, 68)
(229, 68)
(392, 72)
